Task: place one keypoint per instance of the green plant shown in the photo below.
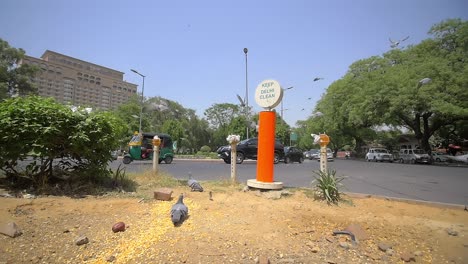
(328, 185)
(205, 149)
(43, 135)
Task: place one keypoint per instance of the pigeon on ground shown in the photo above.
(194, 184)
(179, 211)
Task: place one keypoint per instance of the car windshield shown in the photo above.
(381, 151)
(418, 151)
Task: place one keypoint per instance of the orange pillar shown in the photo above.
(266, 146)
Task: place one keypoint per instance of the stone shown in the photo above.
(315, 249)
(390, 252)
(111, 258)
(344, 245)
(384, 247)
(10, 229)
(357, 231)
(407, 257)
(452, 232)
(263, 260)
(82, 240)
(163, 194)
(418, 253)
(272, 194)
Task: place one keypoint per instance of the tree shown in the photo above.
(386, 90)
(14, 79)
(173, 128)
(220, 117)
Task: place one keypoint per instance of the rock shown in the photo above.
(263, 260)
(344, 245)
(407, 257)
(451, 232)
(418, 253)
(315, 249)
(118, 227)
(163, 194)
(10, 229)
(82, 240)
(357, 231)
(272, 194)
(245, 189)
(111, 258)
(384, 247)
(390, 252)
(29, 196)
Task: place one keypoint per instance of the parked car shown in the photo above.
(379, 154)
(439, 157)
(312, 154)
(414, 156)
(329, 155)
(247, 149)
(293, 154)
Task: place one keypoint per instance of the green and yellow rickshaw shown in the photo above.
(141, 148)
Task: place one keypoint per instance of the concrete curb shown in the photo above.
(411, 201)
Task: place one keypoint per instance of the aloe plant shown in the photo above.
(328, 185)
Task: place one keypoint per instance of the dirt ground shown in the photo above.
(234, 227)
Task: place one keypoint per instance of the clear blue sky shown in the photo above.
(192, 51)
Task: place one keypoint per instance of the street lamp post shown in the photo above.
(246, 92)
(142, 93)
(283, 100)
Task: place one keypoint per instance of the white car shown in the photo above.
(329, 155)
(439, 157)
(414, 156)
(379, 154)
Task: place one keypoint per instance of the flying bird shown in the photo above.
(317, 78)
(194, 184)
(179, 211)
(395, 43)
(242, 103)
(424, 81)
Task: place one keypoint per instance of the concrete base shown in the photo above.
(265, 185)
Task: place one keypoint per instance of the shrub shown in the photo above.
(205, 149)
(328, 185)
(41, 139)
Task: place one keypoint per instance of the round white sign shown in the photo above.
(268, 94)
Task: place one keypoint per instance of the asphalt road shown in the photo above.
(432, 183)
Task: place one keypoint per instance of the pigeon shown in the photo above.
(194, 184)
(395, 43)
(179, 211)
(424, 81)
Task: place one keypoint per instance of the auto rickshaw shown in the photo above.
(141, 148)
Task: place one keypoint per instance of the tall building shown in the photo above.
(80, 83)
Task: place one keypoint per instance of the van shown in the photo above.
(414, 156)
